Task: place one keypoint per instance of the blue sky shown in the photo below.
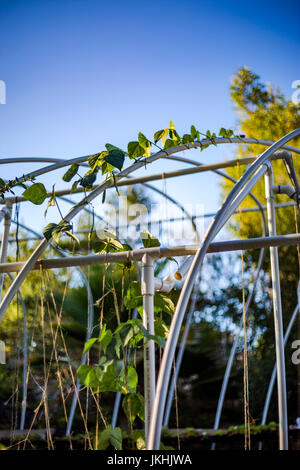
(83, 73)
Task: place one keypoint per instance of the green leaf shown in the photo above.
(149, 240)
(88, 345)
(109, 381)
(163, 302)
(56, 230)
(48, 231)
(160, 327)
(116, 438)
(161, 135)
(117, 344)
(133, 296)
(95, 160)
(143, 141)
(36, 193)
(169, 144)
(105, 337)
(102, 333)
(135, 150)
(111, 147)
(159, 340)
(74, 186)
(145, 144)
(133, 335)
(110, 436)
(88, 180)
(138, 437)
(174, 136)
(115, 158)
(129, 381)
(87, 376)
(109, 244)
(107, 340)
(141, 443)
(71, 172)
(51, 201)
(133, 406)
(194, 133)
(187, 138)
(173, 133)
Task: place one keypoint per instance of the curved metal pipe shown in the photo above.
(190, 314)
(165, 369)
(60, 163)
(102, 187)
(25, 358)
(5, 161)
(203, 143)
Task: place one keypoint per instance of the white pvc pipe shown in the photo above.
(156, 253)
(165, 284)
(179, 358)
(5, 239)
(285, 189)
(25, 364)
(182, 273)
(276, 293)
(147, 288)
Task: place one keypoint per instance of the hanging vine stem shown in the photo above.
(58, 372)
(121, 172)
(59, 328)
(45, 394)
(89, 331)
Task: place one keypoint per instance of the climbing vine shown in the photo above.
(116, 370)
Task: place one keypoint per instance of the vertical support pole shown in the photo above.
(25, 363)
(118, 394)
(179, 358)
(279, 341)
(147, 287)
(4, 244)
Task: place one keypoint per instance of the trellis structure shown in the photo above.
(156, 411)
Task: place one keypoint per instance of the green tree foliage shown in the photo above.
(265, 113)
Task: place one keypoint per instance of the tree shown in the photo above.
(265, 113)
